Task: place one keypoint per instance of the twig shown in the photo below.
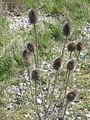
(65, 109)
(35, 59)
(70, 54)
(36, 44)
(29, 78)
(36, 101)
(49, 106)
(64, 47)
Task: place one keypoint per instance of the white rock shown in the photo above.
(88, 115)
(39, 101)
(67, 113)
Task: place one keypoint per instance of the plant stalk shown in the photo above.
(65, 109)
(36, 101)
(64, 47)
(36, 44)
(35, 59)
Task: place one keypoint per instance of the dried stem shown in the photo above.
(36, 101)
(36, 44)
(65, 109)
(64, 47)
(29, 78)
(49, 106)
(68, 76)
(70, 55)
(42, 93)
(47, 99)
(61, 91)
(78, 55)
(35, 59)
(48, 91)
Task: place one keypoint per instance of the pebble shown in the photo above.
(10, 106)
(67, 113)
(39, 101)
(88, 115)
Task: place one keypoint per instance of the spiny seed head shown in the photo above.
(71, 64)
(31, 47)
(71, 46)
(67, 28)
(25, 54)
(57, 63)
(36, 74)
(79, 46)
(71, 96)
(33, 16)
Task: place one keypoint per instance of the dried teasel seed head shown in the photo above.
(36, 74)
(71, 96)
(33, 16)
(71, 46)
(71, 64)
(25, 54)
(31, 47)
(67, 28)
(57, 63)
(79, 46)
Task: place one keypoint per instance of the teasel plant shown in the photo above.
(67, 29)
(70, 66)
(36, 77)
(26, 56)
(79, 48)
(56, 65)
(71, 48)
(69, 98)
(31, 48)
(33, 18)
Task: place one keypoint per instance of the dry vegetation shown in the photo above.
(45, 69)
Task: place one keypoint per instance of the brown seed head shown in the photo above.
(33, 16)
(57, 63)
(71, 46)
(67, 28)
(25, 54)
(71, 64)
(31, 47)
(71, 96)
(79, 46)
(36, 74)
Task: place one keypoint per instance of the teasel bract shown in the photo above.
(71, 64)
(26, 55)
(67, 29)
(36, 74)
(33, 18)
(79, 48)
(71, 48)
(31, 48)
(57, 63)
(70, 97)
